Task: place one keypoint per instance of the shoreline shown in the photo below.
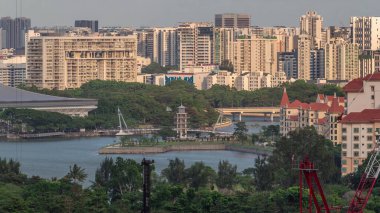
(182, 148)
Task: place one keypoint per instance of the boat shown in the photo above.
(122, 123)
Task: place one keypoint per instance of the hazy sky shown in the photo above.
(136, 13)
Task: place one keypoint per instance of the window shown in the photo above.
(369, 146)
(344, 154)
(336, 137)
(344, 162)
(344, 170)
(356, 146)
(356, 154)
(369, 138)
(344, 146)
(356, 162)
(372, 88)
(372, 97)
(369, 130)
(356, 130)
(344, 138)
(356, 138)
(378, 130)
(344, 130)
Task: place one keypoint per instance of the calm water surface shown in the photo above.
(52, 158)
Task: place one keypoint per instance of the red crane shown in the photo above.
(362, 194)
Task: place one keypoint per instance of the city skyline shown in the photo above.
(129, 14)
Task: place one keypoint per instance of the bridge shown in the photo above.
(237, 112)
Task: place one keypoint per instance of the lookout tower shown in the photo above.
(181, 122)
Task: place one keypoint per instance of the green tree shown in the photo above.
(76, 174)
(175, 172)
(166, 132)
(241, 131)
(226, 175)
(262, 174)
(226, 65)
(199, 175)
(255, 138)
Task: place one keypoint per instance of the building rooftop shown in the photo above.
(14, 97)
(356, 85)
(365, 116)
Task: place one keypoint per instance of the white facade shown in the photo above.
(13, 71)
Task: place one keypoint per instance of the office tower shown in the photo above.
(311, 24)
(256, 55)
(341, 60)
(92, 24)
(317, 64)
(303, 56)
(223, 44)
(366, 32)
(69, 62)
(195, 44)
(232, 20)
(15, 30)
(2, 38)
(287, 63)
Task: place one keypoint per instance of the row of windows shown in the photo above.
(356, 138)
(356, 146)
(356, 130)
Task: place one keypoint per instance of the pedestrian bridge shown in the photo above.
(238, 112)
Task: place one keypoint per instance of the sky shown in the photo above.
(137, 13)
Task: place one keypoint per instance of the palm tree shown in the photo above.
(76, 174)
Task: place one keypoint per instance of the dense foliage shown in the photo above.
(268, 186)
(149, 104)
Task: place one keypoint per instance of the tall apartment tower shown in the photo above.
(311, 24)
(92, 24)
(15, 30)
(223, 44)
(341, 60)
(232, 20)
(303, 57)
(317, 64)
(287, 63)
(366, 32)
(256, 55)
(68, 62)
(181, 121)
(195, 44)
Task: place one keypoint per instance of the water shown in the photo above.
(52, 157)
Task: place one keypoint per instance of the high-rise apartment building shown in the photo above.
(311, 24)
(255, 55)
(69, 62)
(317, 64)
(92, 24)
(232, 20)
(303, 57)
(15, 30)
(366, 32)
(195, 44)
(287, 63)
(223, 44)
(341, 60)
(13, 71)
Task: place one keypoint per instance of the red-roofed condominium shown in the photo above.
(323, 114)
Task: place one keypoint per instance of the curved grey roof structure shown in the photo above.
(11, 97)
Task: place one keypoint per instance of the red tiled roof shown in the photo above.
(298, 104)
(372, 77)
(322, 120)
(331, 98)
(318, 107)
(355, 85)
(335, 107)
(284, 99)
(365, 116)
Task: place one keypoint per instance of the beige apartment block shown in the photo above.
(195, 44)
(256, 55)
(304, 46)
(359, 130)
(223, 44)
(311, 24)
(69, 62)
(362, 93)
(341, 60)
(366, 32)
(13, 71)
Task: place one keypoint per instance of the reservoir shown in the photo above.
(52, 157)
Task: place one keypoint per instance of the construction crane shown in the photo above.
(363, 192)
